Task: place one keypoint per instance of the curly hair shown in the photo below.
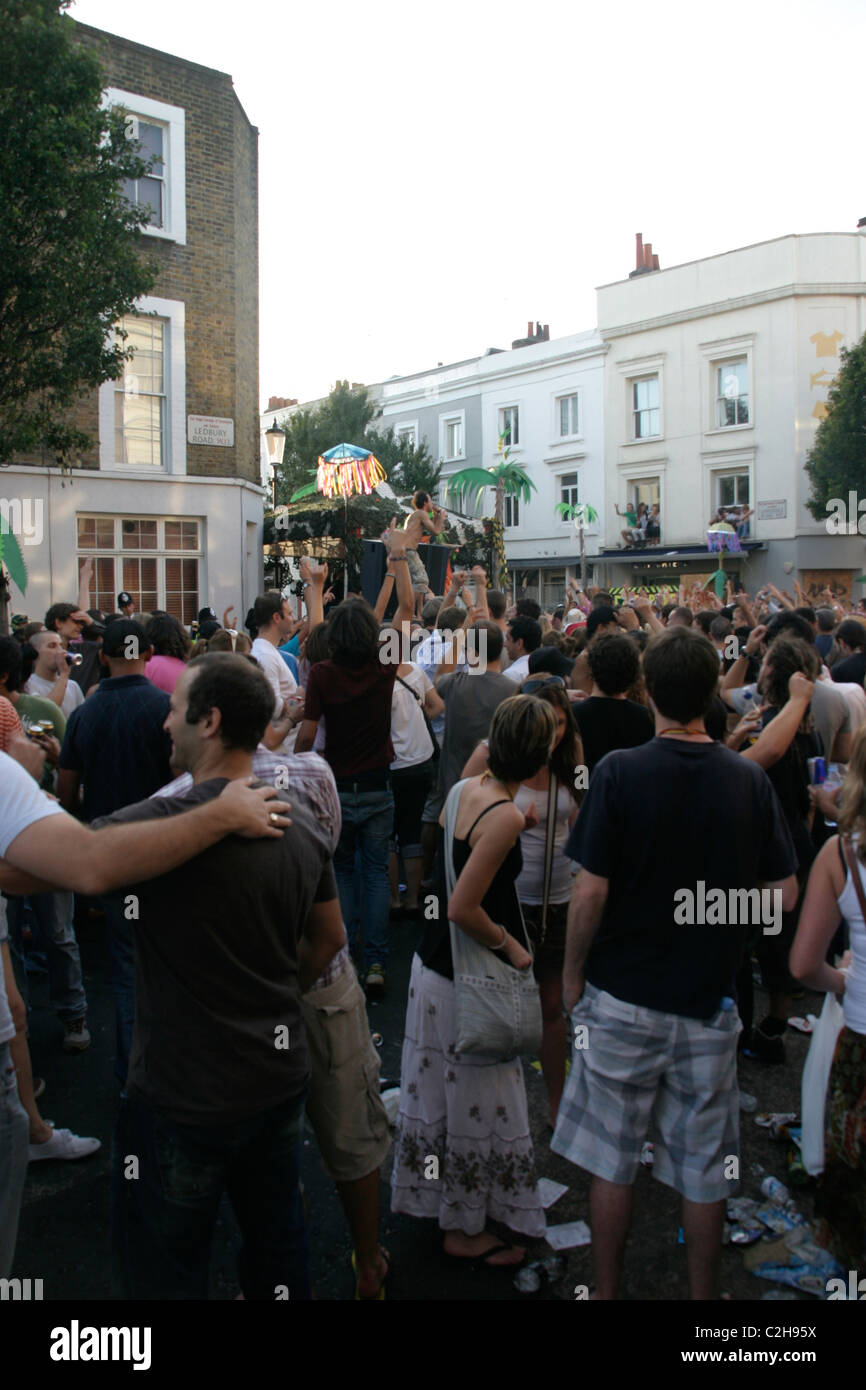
(167, 637)
(787, 656)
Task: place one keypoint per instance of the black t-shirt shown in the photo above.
(216, 968)
(607, 724)
(656, 820)
(853, 668)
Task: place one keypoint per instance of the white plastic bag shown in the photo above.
(816, 1076)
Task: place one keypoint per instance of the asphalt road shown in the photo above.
(64, 1236)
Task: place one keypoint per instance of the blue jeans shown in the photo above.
(121, 948)
(165, 1210)
(53, 933)
(368, 820)
(14, 1152)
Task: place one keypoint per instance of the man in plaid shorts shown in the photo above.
(649, 985)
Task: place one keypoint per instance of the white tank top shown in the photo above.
(530, 882)
(854, 998)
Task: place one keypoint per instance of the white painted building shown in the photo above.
(716, 379)
(545, 402)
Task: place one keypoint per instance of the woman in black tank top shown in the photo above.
(469, 1122)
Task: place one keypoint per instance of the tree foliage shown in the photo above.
(347, 417)
(836, 463)
(70, 264)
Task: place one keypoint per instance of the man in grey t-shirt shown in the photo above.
(470, 698)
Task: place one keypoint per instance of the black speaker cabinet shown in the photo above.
(433, 557)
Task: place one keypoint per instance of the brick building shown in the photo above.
(169, 501)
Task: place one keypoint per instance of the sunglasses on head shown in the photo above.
(529, 687)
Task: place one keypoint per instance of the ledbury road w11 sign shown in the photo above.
(210, 429)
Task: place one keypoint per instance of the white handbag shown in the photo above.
(498, 1008)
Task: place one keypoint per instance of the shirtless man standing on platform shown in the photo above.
(420, 521)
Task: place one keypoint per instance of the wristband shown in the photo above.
(499, 945)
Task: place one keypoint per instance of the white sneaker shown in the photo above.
(64, 1144)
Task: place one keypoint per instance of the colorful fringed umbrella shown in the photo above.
(344, 471)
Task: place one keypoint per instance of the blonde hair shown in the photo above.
(521, 736)
(852, 803)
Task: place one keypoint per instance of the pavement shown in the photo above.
(64, 1232)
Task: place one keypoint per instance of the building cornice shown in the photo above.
(125, 475)
(465, 384)
(727, 306)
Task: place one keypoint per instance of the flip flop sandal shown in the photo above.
(802, 1025)
(482, 1261)
(380, 1296)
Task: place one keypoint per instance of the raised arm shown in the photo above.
(776, 739)
(479, 575)
(84, 579)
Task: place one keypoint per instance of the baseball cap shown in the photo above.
(206, 615)
(116, 634)
(19, 620)
(552, 660)
(123, 599)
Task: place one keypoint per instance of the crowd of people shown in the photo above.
(251, 816)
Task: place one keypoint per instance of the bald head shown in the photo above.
(50, 656)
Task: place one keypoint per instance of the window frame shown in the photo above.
(173, 119)
(173, 313)
(510, 505)
(636, 369)
(500, 431)
(454, 417)
(635, 410)
(560, 483)
(161, 396)
(577, 433)
(402, 427)
(718, 368)
(160, 554)
(716, 355)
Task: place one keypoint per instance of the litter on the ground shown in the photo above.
(391, 1102)
(567, 1236)
(776, 1117)
(748, 1103)
(549, 1191)
(803, 1025)
(795, 1260)
(647, 1155)
(530, 1278)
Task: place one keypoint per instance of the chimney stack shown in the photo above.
(645, 258)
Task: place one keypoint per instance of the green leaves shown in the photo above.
(70, 265)
(836, 463)
(471, 482)
(583, 513)
(11, 557)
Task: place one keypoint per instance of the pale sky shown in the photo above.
(432, 176)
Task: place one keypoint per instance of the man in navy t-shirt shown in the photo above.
(116, 753)
(676, 839)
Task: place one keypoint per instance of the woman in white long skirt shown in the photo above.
(463, 1151)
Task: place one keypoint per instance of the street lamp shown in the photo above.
(275, 439)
